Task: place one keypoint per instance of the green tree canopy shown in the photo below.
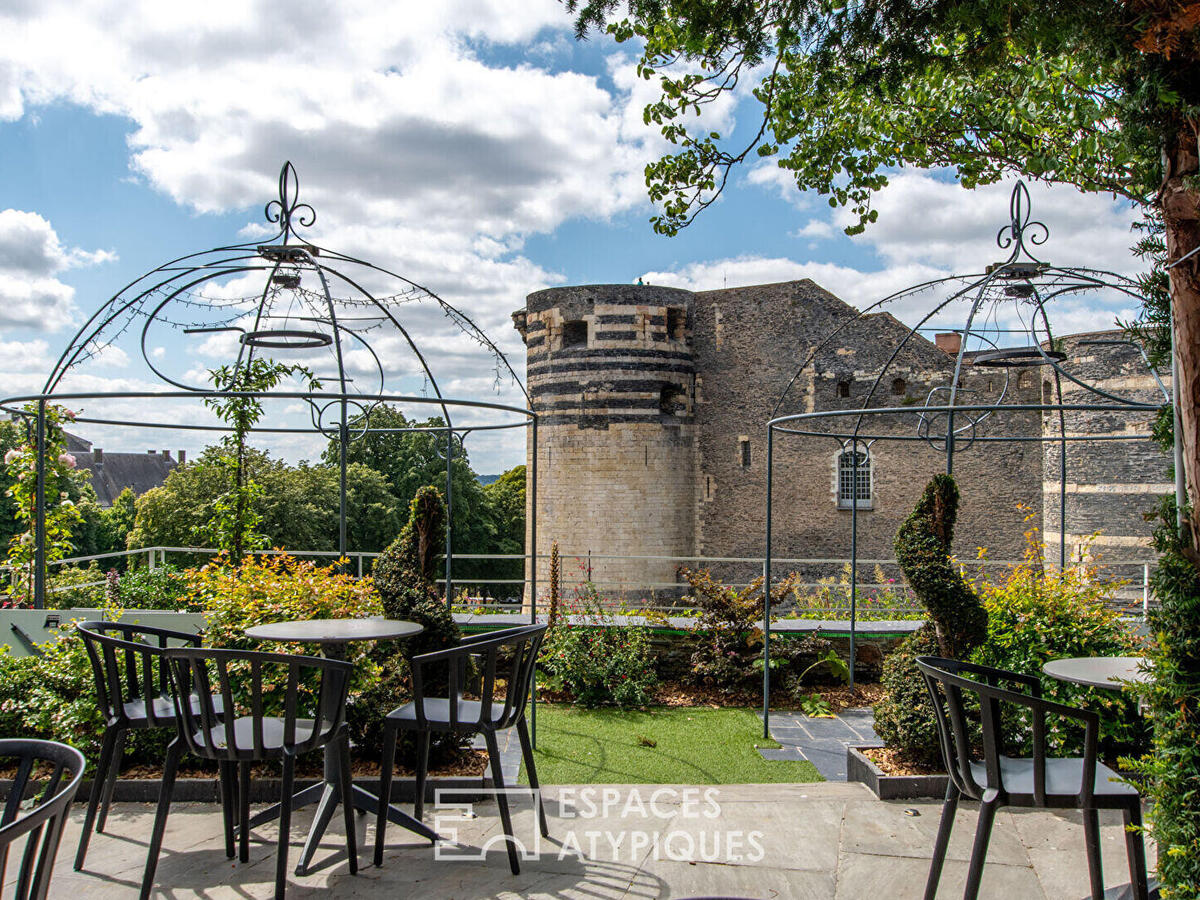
(298, 505)
(849, 91)
(411, 460)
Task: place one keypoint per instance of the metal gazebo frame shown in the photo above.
(313, 318)
(1027, 284)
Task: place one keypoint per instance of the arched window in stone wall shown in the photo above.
(843, 388)
(854, 486)
(899, 387)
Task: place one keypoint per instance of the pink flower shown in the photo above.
(70, 414)
(11, 455)
(67, 460)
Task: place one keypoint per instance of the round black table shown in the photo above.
(333, 635)
(1110, 673)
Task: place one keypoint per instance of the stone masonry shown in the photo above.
(653, 406)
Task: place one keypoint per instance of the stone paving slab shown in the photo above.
(830, 841)
(822, 740)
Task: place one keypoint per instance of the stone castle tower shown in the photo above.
(611, 372)
(653, 404)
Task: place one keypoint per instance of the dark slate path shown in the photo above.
(821, 741)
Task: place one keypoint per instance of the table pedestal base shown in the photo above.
(327, 795)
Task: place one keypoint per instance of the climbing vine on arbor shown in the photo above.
(234, 524)
(60, 512)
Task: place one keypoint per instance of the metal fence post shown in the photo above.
(1145, 590)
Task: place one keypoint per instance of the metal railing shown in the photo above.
(824, 578)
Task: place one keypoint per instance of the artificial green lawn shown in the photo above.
(691, 746)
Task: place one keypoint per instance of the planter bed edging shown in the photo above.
(266, 790)
(892, 787)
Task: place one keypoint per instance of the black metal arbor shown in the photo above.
(347, 321)
(1004, 317)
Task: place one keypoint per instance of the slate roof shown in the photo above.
(113, 472)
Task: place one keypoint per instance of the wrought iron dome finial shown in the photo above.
(288, 210)
(1020, 229)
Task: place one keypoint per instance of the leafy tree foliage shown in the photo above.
(297, 507)
(234, 520)
(1172, 700)
(506, 502)
(411, 460)
(62, 483)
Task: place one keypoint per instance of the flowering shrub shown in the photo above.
(597, 663)
(282, 588)
(1037, 614)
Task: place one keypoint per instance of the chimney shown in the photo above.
(948, 342)
(98, 456)
(167, 454)
(152, 452)
(182, 457)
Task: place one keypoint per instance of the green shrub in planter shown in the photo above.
(52, 696)
(904, 717)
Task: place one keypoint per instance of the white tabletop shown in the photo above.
(334, 631)
(1099, 671)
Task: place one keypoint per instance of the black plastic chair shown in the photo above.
(42, 823)
(452, 714)
(999, 780)
(133, 691)
(241, 740)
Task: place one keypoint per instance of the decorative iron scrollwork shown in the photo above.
(1020, 229)
(288, 210)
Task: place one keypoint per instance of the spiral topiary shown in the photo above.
(957, 622)
(405, 574)
(923, 553)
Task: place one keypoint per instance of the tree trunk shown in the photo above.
(1180, 202)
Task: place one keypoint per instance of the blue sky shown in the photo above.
(473, 146)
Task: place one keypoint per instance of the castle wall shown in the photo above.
(748, 343)
(653, 404)
(1110, 485)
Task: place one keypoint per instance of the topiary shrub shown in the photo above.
(405, 574)
(904, 717)
(957, 621)
(923, 554)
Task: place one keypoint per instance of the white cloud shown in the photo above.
(929, 230)
(925, 219)
(814, 229)
(31, 255)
